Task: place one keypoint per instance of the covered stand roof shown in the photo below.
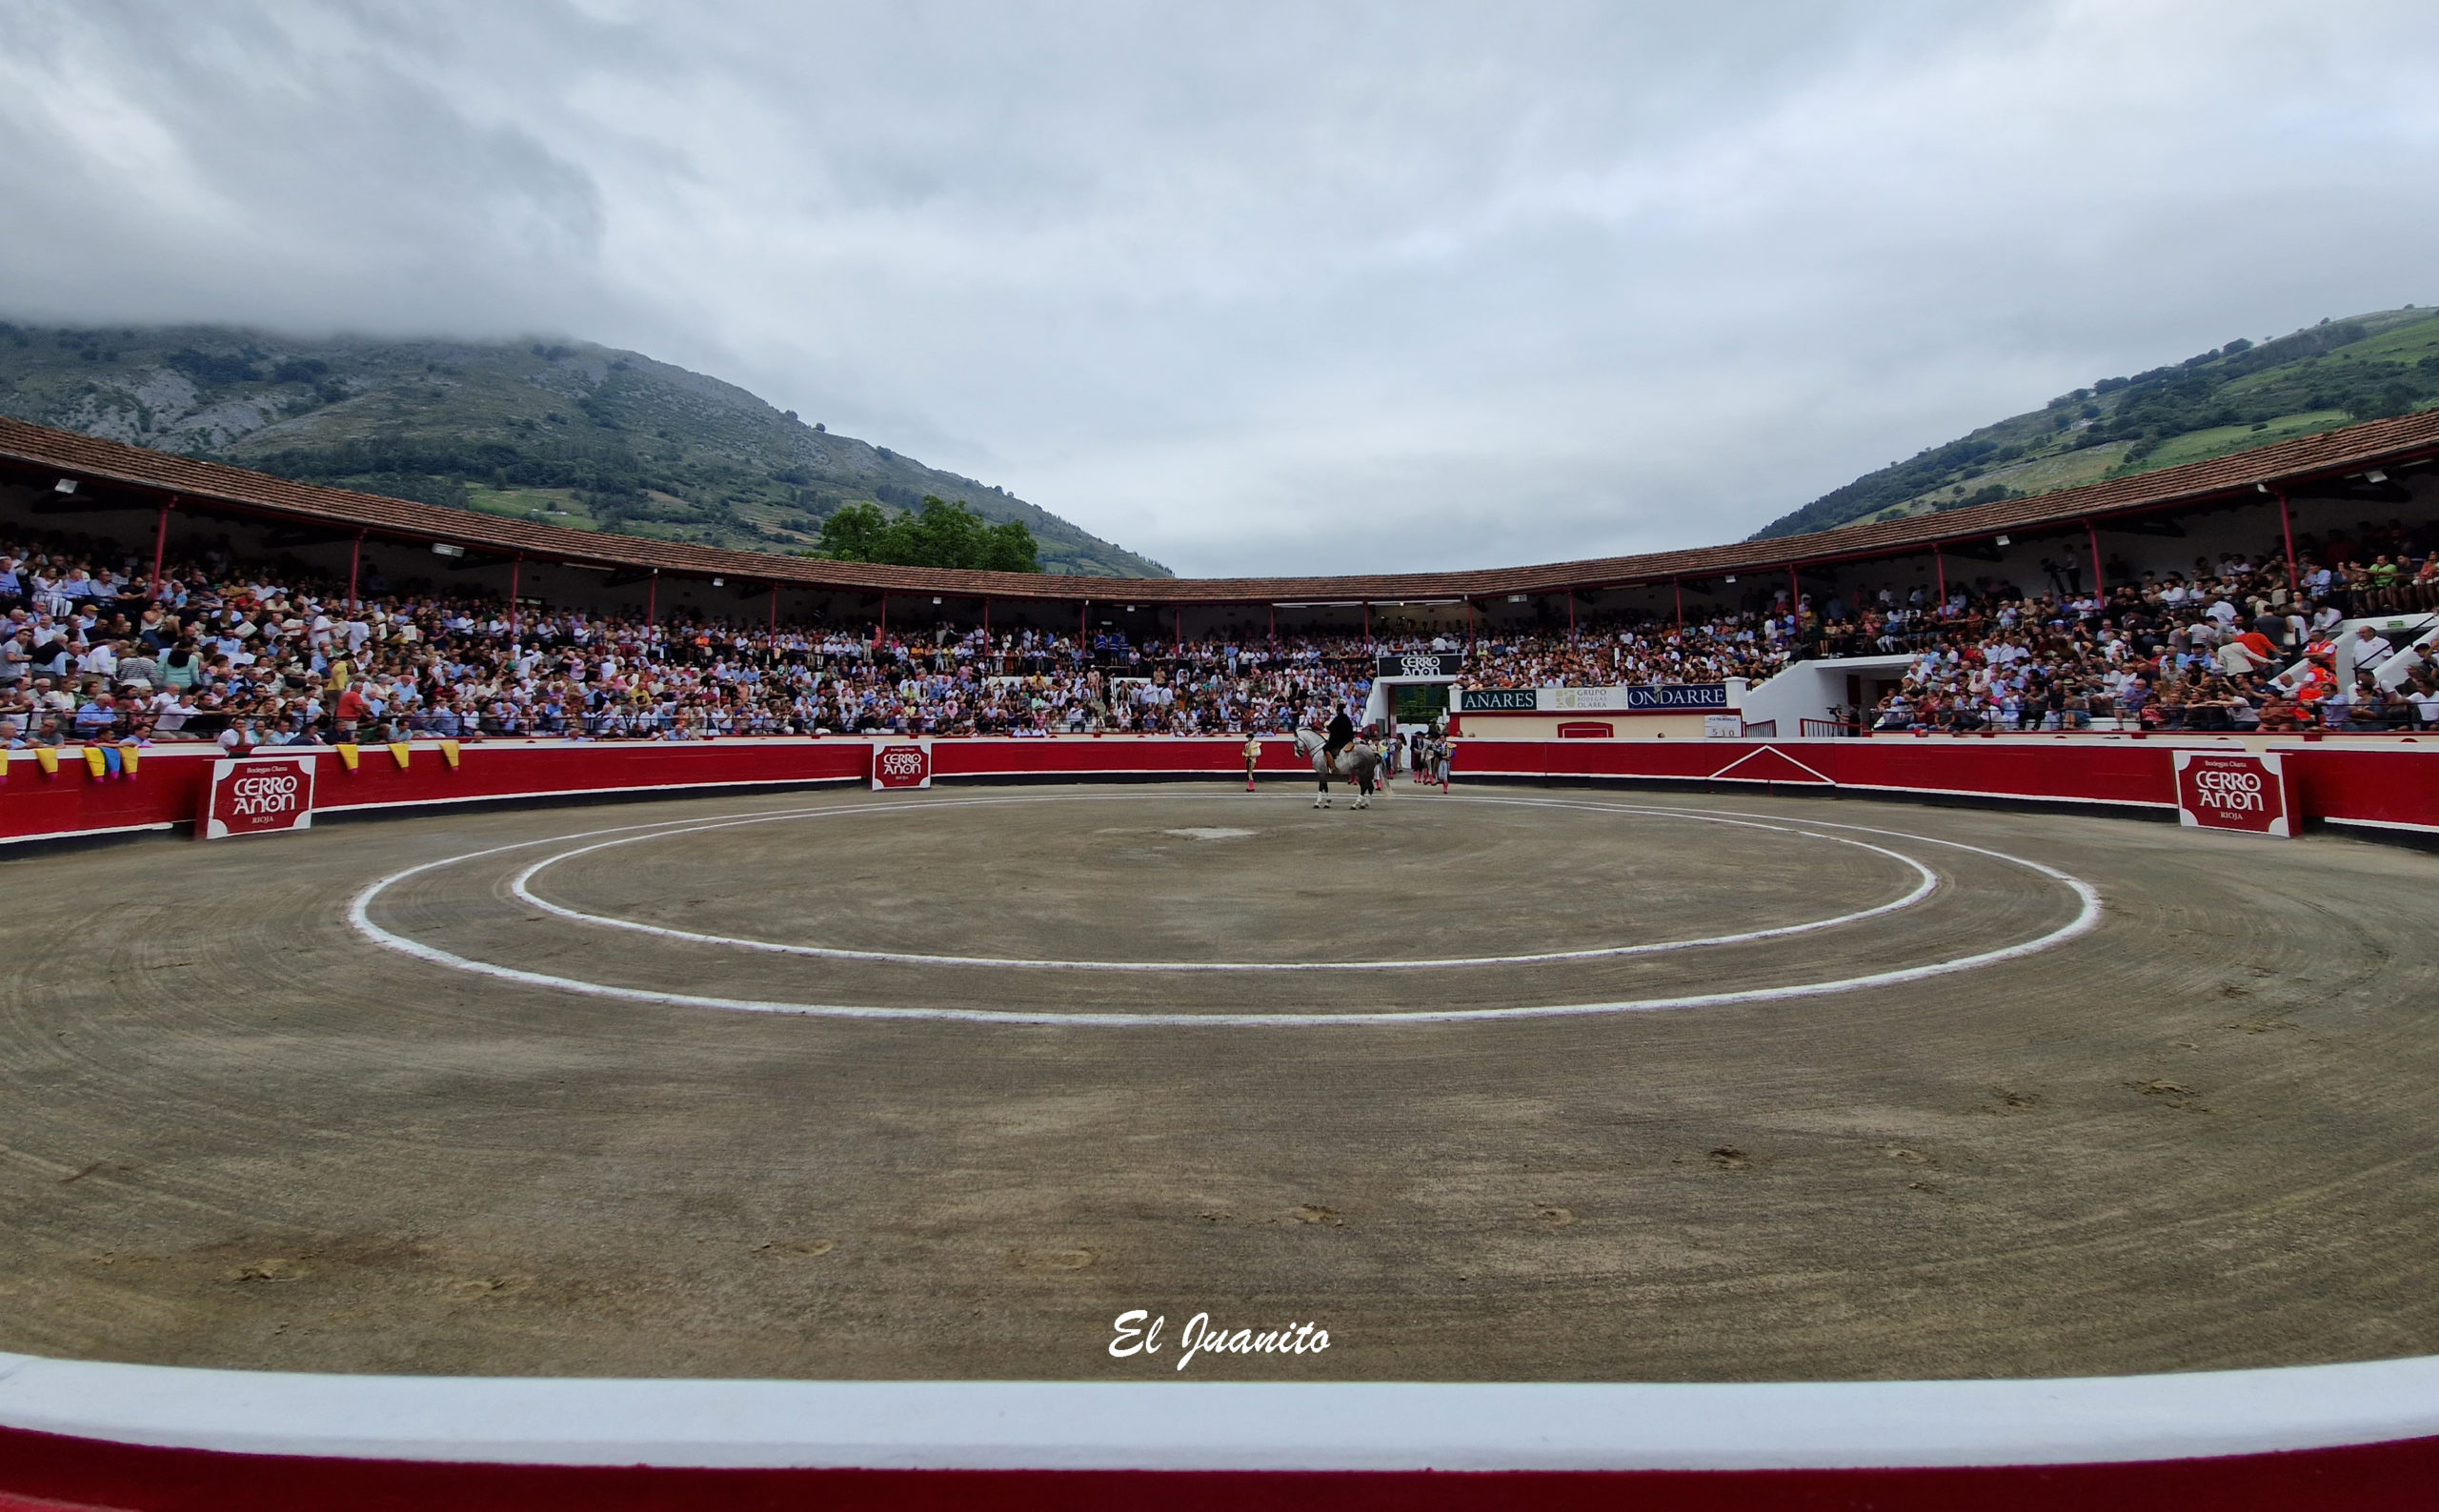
(166, 477)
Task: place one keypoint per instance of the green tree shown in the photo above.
(1009, 548)
(856, 534)
(2369, 403)
(940, 534)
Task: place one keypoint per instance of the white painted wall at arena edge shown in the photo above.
(1226, 1425)
(1812, 690)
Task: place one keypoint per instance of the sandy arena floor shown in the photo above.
(665, 1090)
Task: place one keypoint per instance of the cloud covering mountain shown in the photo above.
(1279, 287)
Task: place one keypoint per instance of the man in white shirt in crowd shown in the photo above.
(2369, 649)
(2426, 704)
(172, 709)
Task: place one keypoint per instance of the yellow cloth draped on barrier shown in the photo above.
(348, 753)
(398, 749)
(95, 762)
(49, 757)
(129, 753)
(449, 754)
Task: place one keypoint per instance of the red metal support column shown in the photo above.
(880, 631)
(1678, 584)
(2286, 530)
(515, 568)
(652, 597)
(354, 567)
(2100, 580)
(1469, 626)
(1273, 624)
(775, 609)
(986, 614)
(1795, 592)
(1178, 645)
(1083, 628)
(161, 550)
(1570, 614)
(1367, 622)
(1939, 565)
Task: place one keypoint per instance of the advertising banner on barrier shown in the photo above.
(256, 795)
(1679, 696)
(1637, 698)
(1497, 701)
(902, 764)
(2234, 792)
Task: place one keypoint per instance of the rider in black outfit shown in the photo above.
(1341, 735)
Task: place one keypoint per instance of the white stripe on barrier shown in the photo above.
(2400, 825)
(530, 794)
(82, 835)
(1226, 1425)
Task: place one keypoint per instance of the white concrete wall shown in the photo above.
(1810, 690)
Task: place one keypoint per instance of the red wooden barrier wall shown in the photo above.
(2391, 787)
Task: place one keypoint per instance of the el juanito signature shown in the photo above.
(1202, 1337)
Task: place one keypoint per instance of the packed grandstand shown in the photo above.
(106, 641)
(255, 652)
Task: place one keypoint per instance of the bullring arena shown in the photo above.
(1895, 1087)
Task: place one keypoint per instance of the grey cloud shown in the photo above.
(1275, 288)
(219, 163)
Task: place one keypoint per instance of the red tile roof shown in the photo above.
(2331, 454)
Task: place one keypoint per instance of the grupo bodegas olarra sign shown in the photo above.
(2234, 792)
(902, 764)
(258, 794)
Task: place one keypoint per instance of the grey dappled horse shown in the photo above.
(1358, 763)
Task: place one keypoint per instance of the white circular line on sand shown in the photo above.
(2087, 918)
(522, 887)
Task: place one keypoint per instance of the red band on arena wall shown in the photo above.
(2391, 787)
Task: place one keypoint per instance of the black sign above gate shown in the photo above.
(1421, 664)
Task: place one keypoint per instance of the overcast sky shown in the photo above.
(1247, 288)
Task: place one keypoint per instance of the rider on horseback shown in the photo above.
(1341, 735)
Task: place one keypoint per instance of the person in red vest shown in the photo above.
(351, 710)
(2319, 680)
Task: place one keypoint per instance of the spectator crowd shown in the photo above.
(2237, 644)
(251, 655)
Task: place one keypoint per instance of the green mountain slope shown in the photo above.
(577, 435)
(2231, 400)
